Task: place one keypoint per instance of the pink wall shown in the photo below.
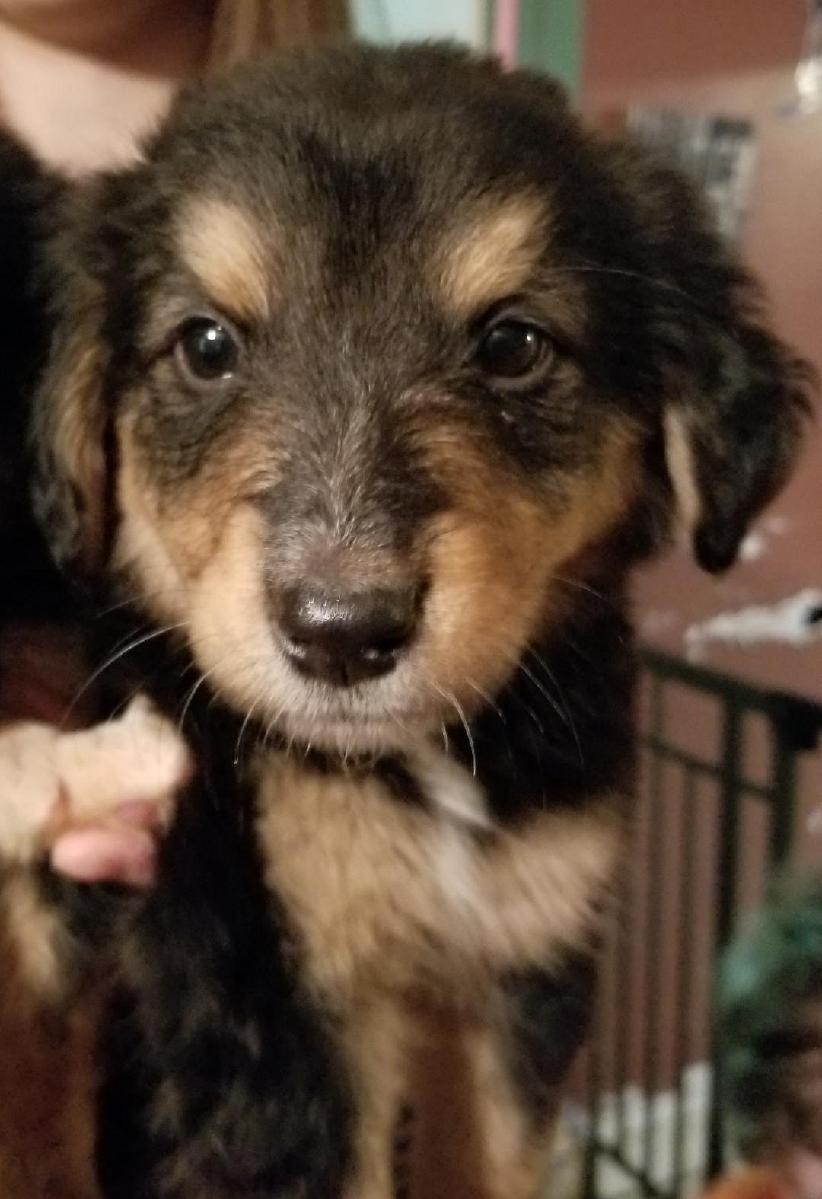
(736, 57)
(636, 45)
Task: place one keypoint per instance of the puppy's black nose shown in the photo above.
(344, 637)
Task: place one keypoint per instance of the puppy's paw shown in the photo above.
(94, 800)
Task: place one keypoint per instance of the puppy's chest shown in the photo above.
(406, 882)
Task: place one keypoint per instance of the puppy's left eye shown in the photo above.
(513, 349)
(206, 350)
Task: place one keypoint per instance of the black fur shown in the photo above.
(546, 1016)
(361, 158)
(222, 1025)
(31, 587)
(561, 731)
(669, 314)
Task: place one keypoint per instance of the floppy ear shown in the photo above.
(736, 398)
(732, 436)
(70, 423)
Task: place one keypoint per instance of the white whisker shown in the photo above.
(559, 705)
(451, 699)
(487, 700)
(190, 698)
(246, 720)
(112, 660)
(580, 586)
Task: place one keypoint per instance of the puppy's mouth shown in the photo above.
(352, 737)
(355, 723)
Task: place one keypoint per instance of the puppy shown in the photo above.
(368, 386)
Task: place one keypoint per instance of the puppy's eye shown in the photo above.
(206, 350)
(513, 349)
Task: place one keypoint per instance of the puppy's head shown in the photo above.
(358, 372)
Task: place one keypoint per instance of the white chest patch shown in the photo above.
(396, 892)
(449, 788)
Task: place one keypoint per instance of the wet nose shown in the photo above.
(345, 637)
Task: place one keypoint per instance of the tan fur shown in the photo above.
(470, 1138)
(227, 626)
(140, 746)
(50, 780)
(514, 1155)
(478, 617)
(481, 615)
(29, 785)
(141, 550)
(169, 550)
(393, 905)
(33, 934)
(220, 245)
(679, 459)
(492, 256)
(377, 1043)
(77, 440)
(386, 896)
(393, 902)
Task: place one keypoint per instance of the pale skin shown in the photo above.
(80, 82)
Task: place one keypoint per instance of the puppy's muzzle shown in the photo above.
(344, 637)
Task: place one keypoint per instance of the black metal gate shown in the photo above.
(718, 798)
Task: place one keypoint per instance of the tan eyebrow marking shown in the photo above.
(221, 246)
(493, 256)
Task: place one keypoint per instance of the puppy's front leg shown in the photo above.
(376, 1040)
(487, 1091)
(520, 1065)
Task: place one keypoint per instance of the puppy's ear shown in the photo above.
(736, 399)
(70, 421)
(733, 433)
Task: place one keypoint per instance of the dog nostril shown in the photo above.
(346, 637)
(387, 645)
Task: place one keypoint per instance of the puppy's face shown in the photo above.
(369, 365)
(355, 446)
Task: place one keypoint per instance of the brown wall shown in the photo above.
(633, 46)
(736, 57)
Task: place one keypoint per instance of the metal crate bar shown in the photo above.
(625, 1082)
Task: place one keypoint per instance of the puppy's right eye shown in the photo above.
(206, 350)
